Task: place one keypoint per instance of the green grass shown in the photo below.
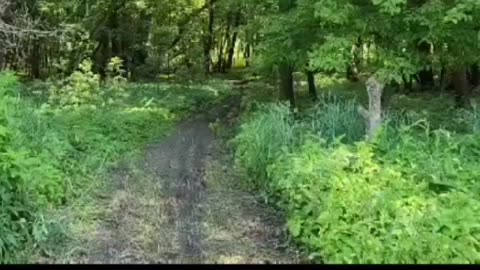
(55, 161)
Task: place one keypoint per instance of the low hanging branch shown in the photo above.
(16, 25)
(373, 116)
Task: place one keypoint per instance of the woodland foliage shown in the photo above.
(84, 82)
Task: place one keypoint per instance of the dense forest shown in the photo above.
(174, 131)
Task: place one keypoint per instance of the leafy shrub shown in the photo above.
(115, 88)
(409, 197)
(447, 161)
(349, 204)
(9, 84)
(27, 184)
(83, 87)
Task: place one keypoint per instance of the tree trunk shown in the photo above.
(115, 39)
(223, 45)
(109, 38)
(101, 54)
(209, 39)
(353, 69)
(233, 43)
(474, 75)
(247, 54)
(312, 88)
(35, 60)
(220, 62)
(461, 86)
(373, 116)
(286, 83)
(285, 68)
(184, 24)
(352, 73)
(407, 84)
(426, 79)
(2, 60)
(358, 53)
(445, 79)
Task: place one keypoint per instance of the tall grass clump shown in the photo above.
(334, 117)
(270, 131)
(470, 119)
(273, 130)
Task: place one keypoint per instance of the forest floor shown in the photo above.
(182, 203)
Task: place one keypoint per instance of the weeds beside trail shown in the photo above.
(409, 196)
(181, 204)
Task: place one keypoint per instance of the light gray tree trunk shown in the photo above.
(373, 116)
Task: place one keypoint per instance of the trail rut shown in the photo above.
(190, 210)
(179, 164)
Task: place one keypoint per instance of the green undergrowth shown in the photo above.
(57, 153)
(410, 196)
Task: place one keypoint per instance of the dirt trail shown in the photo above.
(182, 204)
(179, 163)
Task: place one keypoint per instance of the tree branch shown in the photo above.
(183, 25)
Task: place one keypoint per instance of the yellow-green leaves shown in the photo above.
(391, 7)
(463, 11)
(367, 211)
(331, 55)
(83, 87)
(334, 11)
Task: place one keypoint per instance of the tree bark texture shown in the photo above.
(373, 116)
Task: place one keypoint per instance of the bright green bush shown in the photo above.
(348, 206)
(9, 84)
(84, 88)
(409, 197)
(115, 88)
